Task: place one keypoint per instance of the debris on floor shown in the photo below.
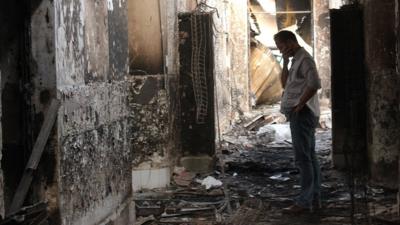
(256, 178)
(210, 182)
(33, 215)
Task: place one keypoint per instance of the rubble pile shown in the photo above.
(256, 178)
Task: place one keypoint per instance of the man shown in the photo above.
(301, 107)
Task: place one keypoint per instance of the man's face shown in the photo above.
(286, 48)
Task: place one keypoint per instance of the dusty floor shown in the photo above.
(258, 180)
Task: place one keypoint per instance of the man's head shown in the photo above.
(286, 42)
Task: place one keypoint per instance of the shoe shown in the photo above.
(296, 209)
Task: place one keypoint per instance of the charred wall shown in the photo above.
(153, 83)
(231, 51)
(149, 119)
(383, 91)
(42, 76)
(11, 29)
(94, 153)
(28, 84)
(196, 84)
(145, 41)
(28, 81)
(348, 88)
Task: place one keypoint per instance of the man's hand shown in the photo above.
(298, 108)
(307, 95)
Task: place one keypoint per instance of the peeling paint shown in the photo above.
(95, 157)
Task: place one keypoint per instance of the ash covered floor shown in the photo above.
(255, 178)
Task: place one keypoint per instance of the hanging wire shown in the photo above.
(203, 7)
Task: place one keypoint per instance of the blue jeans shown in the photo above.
(302, 127)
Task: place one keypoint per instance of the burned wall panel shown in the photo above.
(94, 150)
(12, 103)
(383, 91)
(95, 157)
(95, 171)
(43, 78)
(149, 119)
(145, 41)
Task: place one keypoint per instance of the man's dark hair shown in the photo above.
(285, 36)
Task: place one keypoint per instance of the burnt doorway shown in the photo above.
(348, 88)
(196, 83)
(15, 93)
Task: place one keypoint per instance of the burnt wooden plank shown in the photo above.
(34, 159)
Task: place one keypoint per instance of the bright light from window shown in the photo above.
(269, 6)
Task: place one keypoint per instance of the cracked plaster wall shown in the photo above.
(383, 92)
(152, 99)
(95, 156)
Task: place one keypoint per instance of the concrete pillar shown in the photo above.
(322, 50)
(239, 52)
(383, 91)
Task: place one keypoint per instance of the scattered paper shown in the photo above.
(210, 182)
(279, 177)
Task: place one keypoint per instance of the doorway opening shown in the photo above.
(15, 95)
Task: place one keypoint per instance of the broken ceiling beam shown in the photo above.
(34, 159)
(265, 72)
